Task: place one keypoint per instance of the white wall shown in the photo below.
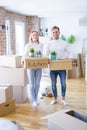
(69, 24)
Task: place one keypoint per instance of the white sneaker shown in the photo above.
(34, 104)
(37, 103)
(63, 102)
(53, 102)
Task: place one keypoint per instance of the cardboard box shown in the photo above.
(86, 69)
(6, 92)
(65, 64)
(67, 120)
(74, 73)
(10, 61)
(7, 107)
(20, 93)
(14, 76)
(31, 63)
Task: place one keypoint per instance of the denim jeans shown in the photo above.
(34, 77)
(53, 76)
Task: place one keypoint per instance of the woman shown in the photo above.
(34, 75)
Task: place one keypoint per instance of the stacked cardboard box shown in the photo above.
(74, 73)
(20, 93)
(7, 102)
(12, 73)
(6, 93)
(14, 76)
(77, 68)
(86, 69)
(10, 61)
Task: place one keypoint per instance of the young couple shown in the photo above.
(34, 75)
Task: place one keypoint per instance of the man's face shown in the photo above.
(55, 33)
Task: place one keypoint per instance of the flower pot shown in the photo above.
(53, 57)
(39, 55)
(31, 54)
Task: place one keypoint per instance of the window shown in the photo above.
(20, 37)
(8, 42)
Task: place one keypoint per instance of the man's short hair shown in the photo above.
(55, 27)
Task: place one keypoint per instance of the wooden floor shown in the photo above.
(29, 117)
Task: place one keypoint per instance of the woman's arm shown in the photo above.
(25, 54)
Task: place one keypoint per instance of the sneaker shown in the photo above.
(37, 103)
(34, 104)
(63, 102)
(53, 102)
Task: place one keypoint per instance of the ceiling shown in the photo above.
(46, 8)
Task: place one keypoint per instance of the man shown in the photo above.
(60, 47)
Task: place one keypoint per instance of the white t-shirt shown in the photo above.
(61, 48)
(37, 47)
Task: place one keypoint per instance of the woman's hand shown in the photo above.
(22, 62)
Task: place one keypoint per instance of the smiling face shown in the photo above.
(55, 33)
(34, 36)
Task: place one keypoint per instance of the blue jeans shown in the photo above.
(34, 77)
(53, 76)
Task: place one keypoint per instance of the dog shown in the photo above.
(45, 90)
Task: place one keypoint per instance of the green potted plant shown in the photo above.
(71, 39)
(53, 55)
(31, 52)
(38, 54)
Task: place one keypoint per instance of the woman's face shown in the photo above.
(55, 33)
(35, 36)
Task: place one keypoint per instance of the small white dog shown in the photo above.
(45, 90)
